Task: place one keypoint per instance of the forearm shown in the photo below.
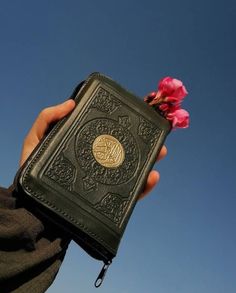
(31, 249)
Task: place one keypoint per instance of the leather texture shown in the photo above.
(88, 172)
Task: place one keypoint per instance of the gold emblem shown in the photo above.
(108, 151)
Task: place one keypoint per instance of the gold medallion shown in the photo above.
(108, 151)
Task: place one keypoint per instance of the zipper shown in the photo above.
(102, 274)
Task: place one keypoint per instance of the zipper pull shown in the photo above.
(102, 274)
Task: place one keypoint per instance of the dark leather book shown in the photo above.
(87, 173)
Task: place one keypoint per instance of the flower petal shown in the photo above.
(179, 118)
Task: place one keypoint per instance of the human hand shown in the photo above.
(154, 176)
(41, 125)
(54, 114)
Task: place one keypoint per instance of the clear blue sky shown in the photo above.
(182, 237)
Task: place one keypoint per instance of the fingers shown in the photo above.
(153, 179)
(41, 124)
(154, 176)
(50, 115)
(162, 153)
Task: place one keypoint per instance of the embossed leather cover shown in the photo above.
(88, 172)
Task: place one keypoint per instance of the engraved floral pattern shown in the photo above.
(124, 121)
(62, 172)
(104, 101)
(89, 184)
(148, 132)
(113, 207)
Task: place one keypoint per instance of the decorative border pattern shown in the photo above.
(62, 172)
(113, 207)
(105, 102)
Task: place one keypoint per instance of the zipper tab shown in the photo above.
(102, 274)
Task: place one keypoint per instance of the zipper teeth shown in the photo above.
(104, 258)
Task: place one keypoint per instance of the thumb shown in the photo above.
(41, 124)
(50, 115)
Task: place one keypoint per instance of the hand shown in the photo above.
(41, 124)
(55, 113)
(154, 176)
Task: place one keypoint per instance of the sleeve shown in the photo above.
(31, 250)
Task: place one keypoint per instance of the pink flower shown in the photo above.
(164, 107)
(172, 87)
(179, 118)
(150, 97)
(167, 101)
